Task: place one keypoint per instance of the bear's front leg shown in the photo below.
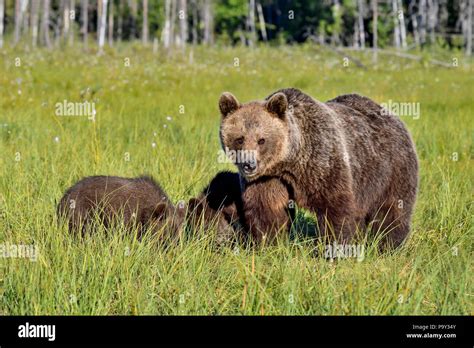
(339, 221)
(267, 209)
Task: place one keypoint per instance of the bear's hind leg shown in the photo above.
(392, 223)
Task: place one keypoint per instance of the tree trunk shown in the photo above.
(145, 23)
(195, 22)
(72, 18)
(336, 13)
(110, 29)
(85, 22)
(414, 23)
(2, 15)
(401, 17)
(251, 23)
(396, 30)
(173, 22)
(469, 28)
(208, 22)
(422, 12)
(18, 21)
(261, 19)
(361, 29)
(34, 22)
(183, 22)
(166, 31)
(66, 20)
(45, 23)
(134, 12)
(120, 21)
(375, 29)
(102, 24)
(24, 16)
(355, 36)
(432, 19)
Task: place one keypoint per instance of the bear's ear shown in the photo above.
(194, 204)
(228, 104)
(277, 104)
(161, 211)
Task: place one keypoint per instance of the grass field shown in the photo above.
(158, 114)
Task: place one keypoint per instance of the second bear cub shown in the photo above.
(140, 202)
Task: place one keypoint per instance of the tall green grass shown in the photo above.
(138, 105)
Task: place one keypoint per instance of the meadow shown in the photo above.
(157, 114)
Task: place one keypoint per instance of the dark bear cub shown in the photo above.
(138, 202)
(218, 204)
(221, 203)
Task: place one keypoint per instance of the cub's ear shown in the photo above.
(161, 211)
(228, 104)
(194, 203)
(277, 104)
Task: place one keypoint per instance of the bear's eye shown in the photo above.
(261, 141)
(239, 141)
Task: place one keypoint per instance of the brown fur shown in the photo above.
(268, 210)
(343, 159)
(138, 202)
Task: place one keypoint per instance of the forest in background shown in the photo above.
(359, 24)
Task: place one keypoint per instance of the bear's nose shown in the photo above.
(250, 166)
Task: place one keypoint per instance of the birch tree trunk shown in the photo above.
(375, 11)
(166, 31)
(396, 30)
(207, 22)
(134, 11)
(432, 19)
(336, 11)
(45, 23)
(2, 15)
(34, 22)
(102, 23)
(401, 18)
(66, 19)
(18, 21)
(414, 23)
(145, 23)
(469, 28)
(173, 23)
(251, 23)
(261, 19)
(24, 16)
(120, 20)
(361, 28)
(72, 18)
(183, 22)
(195, 22)
(422, 13)
(110, 24)
(85, 22)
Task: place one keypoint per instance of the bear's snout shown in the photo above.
(249, 167)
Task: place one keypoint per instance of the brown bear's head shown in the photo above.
(167, 219)
(254, 135)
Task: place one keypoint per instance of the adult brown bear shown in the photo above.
(346, 160)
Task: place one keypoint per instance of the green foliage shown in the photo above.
(116, 274)
(230, 18)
